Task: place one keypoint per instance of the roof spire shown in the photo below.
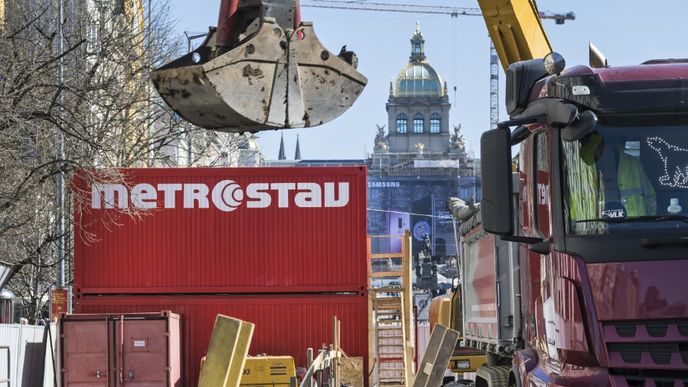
(297, 154)
(417, 46)
(281, 155)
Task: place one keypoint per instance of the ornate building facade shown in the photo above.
(420, 160)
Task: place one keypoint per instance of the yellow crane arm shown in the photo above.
(515, 30)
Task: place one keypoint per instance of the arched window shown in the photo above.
(435, 121)
(418, 123)
(402, 123)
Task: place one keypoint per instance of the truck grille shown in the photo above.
(648, 353)
(648, 378)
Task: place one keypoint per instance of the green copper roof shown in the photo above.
(418, 78)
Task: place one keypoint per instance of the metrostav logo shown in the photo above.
(227, 195)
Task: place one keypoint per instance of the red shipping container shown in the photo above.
(223, 230)
(284, 324)
(137, 350)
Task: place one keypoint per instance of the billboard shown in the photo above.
(417, 203)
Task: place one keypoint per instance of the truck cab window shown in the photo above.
(621, 179)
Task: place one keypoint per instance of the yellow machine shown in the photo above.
(515, 30)
(268, 371)
(446, 310)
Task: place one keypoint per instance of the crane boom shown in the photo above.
(514, 25)
(515, 29)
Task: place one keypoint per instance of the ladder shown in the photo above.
(391, 306)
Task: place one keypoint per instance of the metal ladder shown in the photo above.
(391, 304)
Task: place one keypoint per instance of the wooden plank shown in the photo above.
(388, 300)
(389, 289)
(437, 355)
(337, 366)
(371, 316)
(229, 343)
(379, 274)
(386, 256)
(407, 296)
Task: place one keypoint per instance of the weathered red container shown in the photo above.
(284, 324)
(139, 349)
(223, 230)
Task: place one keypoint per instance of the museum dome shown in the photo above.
(418, 78)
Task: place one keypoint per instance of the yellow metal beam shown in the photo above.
(515, 29)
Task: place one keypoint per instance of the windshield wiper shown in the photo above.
(646, 218)
(656, 242)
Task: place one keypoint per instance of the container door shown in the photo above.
(143, 352)
(85, 353)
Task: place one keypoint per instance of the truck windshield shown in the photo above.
(620, 179)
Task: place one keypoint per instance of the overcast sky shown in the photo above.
(627, 32)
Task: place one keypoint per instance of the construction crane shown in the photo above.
(454, 12)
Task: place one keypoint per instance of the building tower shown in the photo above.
(418, 105)
(297, 153)
(282, 155)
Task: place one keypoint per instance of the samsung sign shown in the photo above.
(226, 195)
(383, 184)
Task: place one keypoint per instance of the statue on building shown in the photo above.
(419, 149)
(381, 140)
(457, 140)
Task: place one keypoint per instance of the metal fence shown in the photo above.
(5, 367)
(24, 356)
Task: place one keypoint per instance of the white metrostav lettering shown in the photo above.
(227, 195)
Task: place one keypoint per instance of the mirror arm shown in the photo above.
(541, 247)
(521, 239)
(537, 245)
(522, 121)
(519, 134)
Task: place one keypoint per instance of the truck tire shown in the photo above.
(495, 376)
(514, 377)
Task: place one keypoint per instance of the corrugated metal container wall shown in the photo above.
(224, 243)
(144, 347)
(285, 325)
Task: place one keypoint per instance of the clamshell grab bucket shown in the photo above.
(272, 79)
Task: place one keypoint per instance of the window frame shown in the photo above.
(435, 123)
(418, 123)
(402, 118)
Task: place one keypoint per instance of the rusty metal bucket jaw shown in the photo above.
(272, 79)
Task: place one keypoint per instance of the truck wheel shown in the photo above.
(514, 377)
(495, 376)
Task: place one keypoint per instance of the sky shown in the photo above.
(627, 32)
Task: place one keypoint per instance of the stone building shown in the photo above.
(420, 160)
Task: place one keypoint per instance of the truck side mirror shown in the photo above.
(496, 207)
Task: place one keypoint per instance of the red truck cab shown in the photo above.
(601, 221)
